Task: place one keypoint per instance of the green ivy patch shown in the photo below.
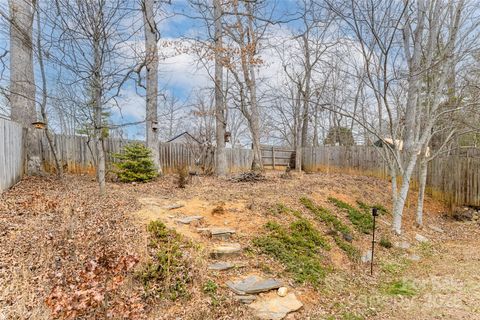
(401, 288)
(368, 208)
(298, 248)
(362, 221)
(167, 274)
(326, 216)
(331, 220)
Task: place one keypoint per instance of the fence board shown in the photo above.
(456, 177)
(11, 153)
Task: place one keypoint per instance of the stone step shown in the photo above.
(173, 206)
(420, 238)
(226, 250)
(414, 257)
(437, 229)
(253, 284)
(273, 307)
(405, 245)
(221, 233)
(188, 219)
(221, 266)
(217, 232)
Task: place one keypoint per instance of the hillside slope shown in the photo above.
(54, 231)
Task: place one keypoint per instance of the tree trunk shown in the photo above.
(421, 191)
(43, 103)
(411, 143)
(151, 114)
(401, 197)
(306, 99)
(22, 80)
(298, 140)
(315, 128)
(97, 94)
(393, 175)
(257, 164)
(221, 123)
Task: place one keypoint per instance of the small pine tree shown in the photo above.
(135, 164)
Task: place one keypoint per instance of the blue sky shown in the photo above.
(180, 75)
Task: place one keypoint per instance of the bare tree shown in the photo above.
(44, 97)
(430, 22)
(245, 31)
(22, 80)
(300, 64)
(88, 40)
(220, 119)
(446, 49)
(152, 35)
(400, 49)
(173, 119)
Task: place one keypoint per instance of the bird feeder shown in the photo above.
(39, 125)
(227, 136)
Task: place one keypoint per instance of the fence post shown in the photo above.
(273, 157)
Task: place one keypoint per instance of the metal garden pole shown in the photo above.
(374, 214)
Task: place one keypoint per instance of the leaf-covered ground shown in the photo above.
(68, 253)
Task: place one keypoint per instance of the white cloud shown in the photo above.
(182, 69)
(131, 106)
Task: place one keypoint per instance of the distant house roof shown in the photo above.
(184, 135)
(396, 144)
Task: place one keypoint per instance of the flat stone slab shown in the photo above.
(203, 230)
(245, 299)
(402, 245)
(189, 219)
(174, 206)
(414, 257)
(227, 249)
(437, 229)
(253, 284)
(367, 256)
(221, 266)
(221, 233)
(275, 308)
(420, 238)
(217, 232)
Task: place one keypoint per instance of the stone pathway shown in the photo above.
(259, 293)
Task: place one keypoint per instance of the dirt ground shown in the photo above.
(53, 231)
(448, 281)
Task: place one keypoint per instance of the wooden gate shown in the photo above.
(277, 157)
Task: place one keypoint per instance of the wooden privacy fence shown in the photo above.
(454, 178)
(457, 177)
(276, 157)
(202, 158)
(11, 153)
(359, 158)
(77, 154)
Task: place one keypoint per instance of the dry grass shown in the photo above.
(50, 230)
